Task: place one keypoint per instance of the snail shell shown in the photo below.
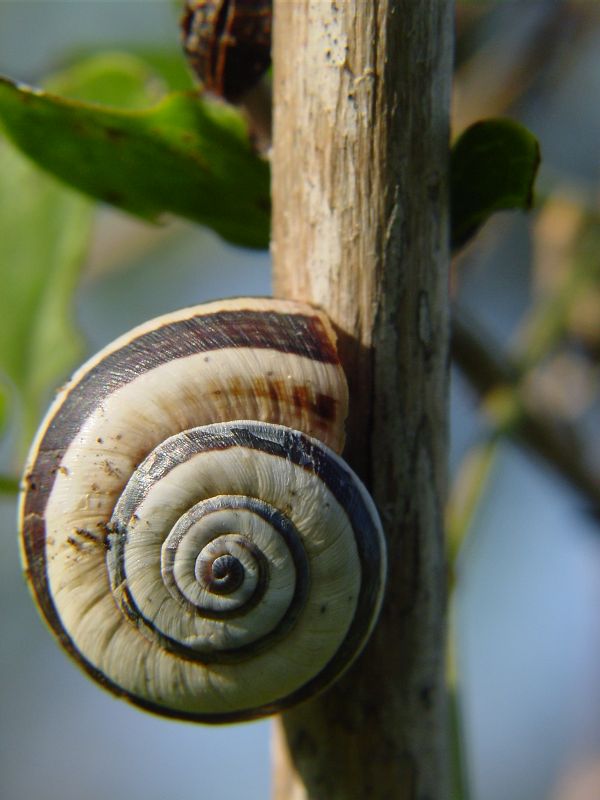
(188, 531)
(228, 43)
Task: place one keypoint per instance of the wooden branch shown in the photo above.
(360, 228)
(555, 440)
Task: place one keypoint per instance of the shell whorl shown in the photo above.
(189, 532)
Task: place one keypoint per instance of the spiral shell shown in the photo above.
(228, 43)
(188, 531)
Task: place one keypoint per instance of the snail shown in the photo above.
(228, 43)
(188, 530)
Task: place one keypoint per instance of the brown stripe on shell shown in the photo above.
(308, 454)
(178, 448)
(352, 496)
(228, 43)
(251, 323)
(294, 334)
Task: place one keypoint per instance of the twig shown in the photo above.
(498, 381)
(359, 228)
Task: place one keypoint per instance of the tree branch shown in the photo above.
(491, 375)
(360, 228)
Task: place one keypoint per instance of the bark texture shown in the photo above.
(360, 229)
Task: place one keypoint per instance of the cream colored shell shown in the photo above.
(189, 534)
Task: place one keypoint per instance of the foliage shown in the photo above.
(184, 155)
(492, 167)
(39, 276)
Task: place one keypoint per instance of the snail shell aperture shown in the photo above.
(188, 530)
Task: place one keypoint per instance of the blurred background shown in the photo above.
(525, 428)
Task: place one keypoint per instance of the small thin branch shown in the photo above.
(468, 488)
(460, 776)
(498, 379)
(360, 227)
(515, 59)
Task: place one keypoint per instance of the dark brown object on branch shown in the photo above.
(293, 561)
(228, 43)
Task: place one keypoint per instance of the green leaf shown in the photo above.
(185, 156)
(8, 485)
(4, 407)
(116, 79)
(493, 167)
(169, 64)
(44, 230)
